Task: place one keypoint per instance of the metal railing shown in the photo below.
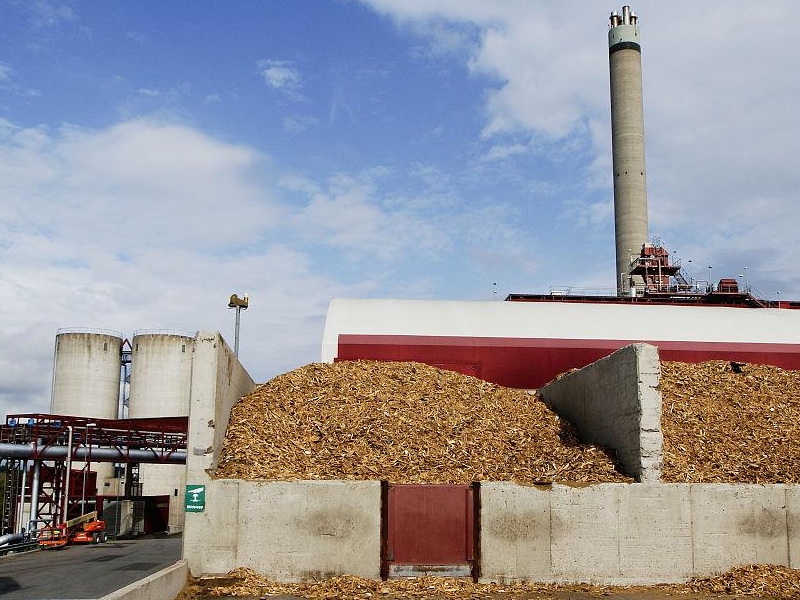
(578, 291)
(27, 545)
(175, 332)
(94, 330)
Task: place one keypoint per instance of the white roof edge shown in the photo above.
(556, 320)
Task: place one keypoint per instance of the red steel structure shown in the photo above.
(39, 449)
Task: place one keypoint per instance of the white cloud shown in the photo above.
(544, 75)
(5, 72)
(130, 227)
(502, 151)
(8, 83)
(353, 216)
(298, 123)
(281, 75)
(44, 13)
(149, 224)
(171, 183)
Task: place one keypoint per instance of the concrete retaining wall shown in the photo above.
(288, 530)
(620, 534)
(627, 534)
(614, 534)
(615, 402)
(218, 381)
(164, 585)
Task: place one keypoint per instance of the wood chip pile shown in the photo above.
(753, 580)
(245, 582)
(720, 426)
(405, 423)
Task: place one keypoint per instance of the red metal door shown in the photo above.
(430, 530)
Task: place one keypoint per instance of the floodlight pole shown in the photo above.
(239, 304)
(236, 338)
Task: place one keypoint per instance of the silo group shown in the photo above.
(89, 380)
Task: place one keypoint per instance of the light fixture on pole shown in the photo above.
(239, 304)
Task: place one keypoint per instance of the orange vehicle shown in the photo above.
(86, 529)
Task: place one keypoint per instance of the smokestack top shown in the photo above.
(628, 17)
(624, 30)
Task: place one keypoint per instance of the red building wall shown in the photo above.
(530, 362)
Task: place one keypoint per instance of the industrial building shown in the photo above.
(127, 404)
(117, 424)
(607, 352)
(526, 344)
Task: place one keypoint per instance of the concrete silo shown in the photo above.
(160, 385)
(87, 369)
(627, 142)
(161, 374)
(86, 373)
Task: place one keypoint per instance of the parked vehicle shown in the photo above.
(86, 529)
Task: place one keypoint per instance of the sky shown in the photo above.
(157, 157)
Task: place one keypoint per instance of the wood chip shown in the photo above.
(404, 423)
(410, 423)
(753, 580)
(721, 426)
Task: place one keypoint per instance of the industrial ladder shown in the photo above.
(8, 516)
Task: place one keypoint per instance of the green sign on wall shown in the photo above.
(195, 498)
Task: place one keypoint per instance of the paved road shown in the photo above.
(84, 572)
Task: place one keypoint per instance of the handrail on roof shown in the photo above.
(95, 330)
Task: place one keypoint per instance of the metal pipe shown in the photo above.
(67, 476)
(35, 491)
(83, 488)
(236, 334)
(239, 304)
(86, 467)
(11, 538)
(21, 513)
(175, 457)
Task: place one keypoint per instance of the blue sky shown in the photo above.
(156, 157)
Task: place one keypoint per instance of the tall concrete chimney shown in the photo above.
(627, 142)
